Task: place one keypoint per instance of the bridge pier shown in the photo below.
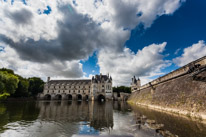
(53, 96)
(64, 96)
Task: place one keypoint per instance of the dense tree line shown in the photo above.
(122, 89)
(14, 85)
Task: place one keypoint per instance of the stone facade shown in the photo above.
(136, 84)
(192, 68)
(182, 91)
(98, 88)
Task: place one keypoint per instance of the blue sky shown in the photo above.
(183, 28)
(77, 39)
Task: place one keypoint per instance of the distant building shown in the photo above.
(97, 88)
(136, 84)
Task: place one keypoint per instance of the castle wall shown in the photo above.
(179, 72)
(78, 89)
(180, 91)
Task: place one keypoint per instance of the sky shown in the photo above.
(67, 39)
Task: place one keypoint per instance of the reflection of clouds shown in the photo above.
(65, 119)
(37, 129)
(97, 115)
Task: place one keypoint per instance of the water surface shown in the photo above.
(65, 119)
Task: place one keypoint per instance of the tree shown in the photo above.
(36, 85)
(122, 89)
(17, 86)
(7, 70)
(8, 83)
(23, 86)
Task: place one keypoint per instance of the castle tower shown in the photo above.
(135, 84)
(138, 83)
(48, 79)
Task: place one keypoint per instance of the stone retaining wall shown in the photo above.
(184, 94)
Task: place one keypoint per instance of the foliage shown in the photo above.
(7, 70)
(122, 89)
(17, 86)
(36, 85)
(8, 82)
(4, 96)
(22, 90)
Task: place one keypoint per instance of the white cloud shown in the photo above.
(10, 59)
(177, 51)
(191, 53)
(123, 66)
(53, 44)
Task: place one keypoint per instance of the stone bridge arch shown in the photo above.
(101, 98)
(69, 97)
(58, 97)
(47, 97)
(86, 98)
(79, 97)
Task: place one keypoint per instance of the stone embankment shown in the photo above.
(182, 91)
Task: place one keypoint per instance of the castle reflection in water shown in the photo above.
(98, 115)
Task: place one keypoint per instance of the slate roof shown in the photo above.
(70, 82)
(101, 78)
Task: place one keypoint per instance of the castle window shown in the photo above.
(83, 91)
(102, 85)
(59, 91)
(79, 91)
(69, 91)
(48, 91)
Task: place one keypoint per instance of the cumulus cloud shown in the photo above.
(191, 53)
(145, 63)
(21, 16)
(73, 30)
(10, 59)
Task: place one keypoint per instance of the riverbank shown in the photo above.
(183, 96)
(19, 99)
(201, 117)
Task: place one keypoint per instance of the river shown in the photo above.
(66, 119)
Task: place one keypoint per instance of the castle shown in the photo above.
(97, 88)
(136, 84)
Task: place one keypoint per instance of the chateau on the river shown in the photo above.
(97, 88)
